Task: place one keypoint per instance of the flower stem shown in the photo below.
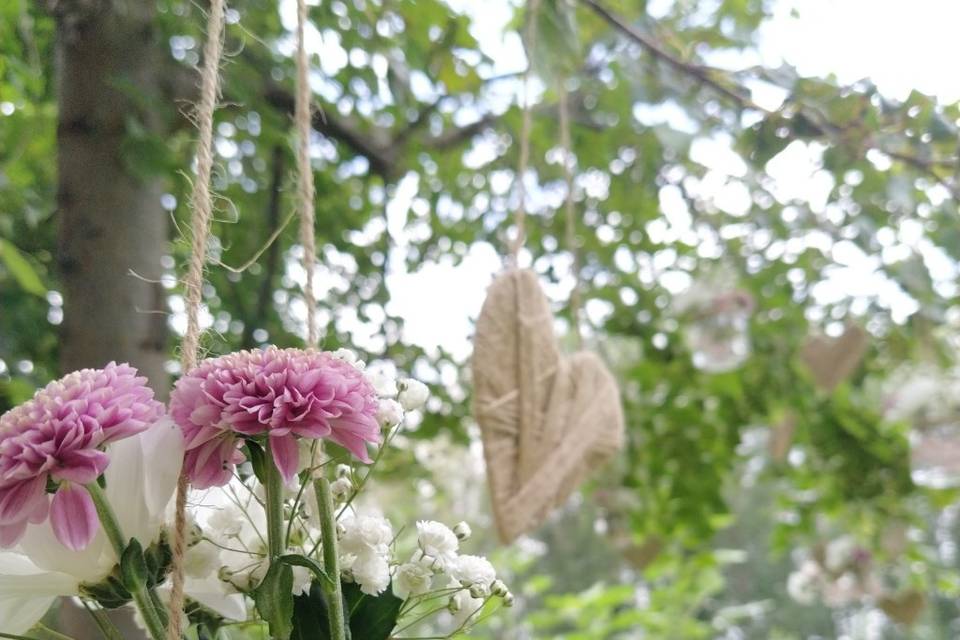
(274, 507)
(108, 520)
(328, 532)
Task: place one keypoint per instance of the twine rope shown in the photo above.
(570, 223)
(520, 214)
(305, 186)
(202, 211)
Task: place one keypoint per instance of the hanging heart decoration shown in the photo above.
(833, 360)
(547, 420)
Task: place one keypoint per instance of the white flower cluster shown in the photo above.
(366, 558)
(396, 397)
(840, 575)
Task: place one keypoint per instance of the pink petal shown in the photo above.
(18, 501)
(353, 443)
(10, 534)
(74, 517)
(286, 455)
(82, 466)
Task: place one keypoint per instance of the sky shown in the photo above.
(899, 45)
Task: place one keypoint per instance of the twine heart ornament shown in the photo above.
(833, 360)
(547, 420)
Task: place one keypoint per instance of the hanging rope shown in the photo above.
(520, 215)
(571, 212)
(305, 188)
(202, 206)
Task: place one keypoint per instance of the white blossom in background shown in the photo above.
(349, 356)
(804, 584)
(839, 553)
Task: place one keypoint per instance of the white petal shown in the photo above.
(46, 552)
(142, 477)
(163, 449)
(126, 488)
(211, 593)
(26, 591)
(20, 614)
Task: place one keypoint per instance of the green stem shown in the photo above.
(108, 520)
(328, 531)
(103, 622)
(274, 507)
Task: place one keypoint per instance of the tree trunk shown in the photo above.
(113, 230)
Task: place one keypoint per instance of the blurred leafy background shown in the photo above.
(825, 204)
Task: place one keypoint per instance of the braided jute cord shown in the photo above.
(520, 214)
(305, 188)
(202, 211)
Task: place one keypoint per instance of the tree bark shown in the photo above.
(113, 230)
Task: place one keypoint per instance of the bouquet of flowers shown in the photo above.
(276, 444)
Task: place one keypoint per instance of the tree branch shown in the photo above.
(740, 96)
(382, 157)
(655, 49)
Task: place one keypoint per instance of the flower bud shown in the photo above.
(454, 604)
(340, 489)
(479, 591)
(508, 600)
(462, 531)
(413, 394)
(499, 589)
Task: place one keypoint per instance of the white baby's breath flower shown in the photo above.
(508, 599)
(363, 533)
(371, 571)
(201, 560)
(499, 589)
(474, 570)
(437, 541)
(413, 394)
(383, 382)
(411, 579)
(389, 413)
(344, 471)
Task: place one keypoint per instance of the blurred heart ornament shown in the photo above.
(547, 420)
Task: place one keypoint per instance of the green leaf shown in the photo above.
(274, 600)
(310, 618)
(257, 458)
(21, 269)
(133, 566)
(371, 617)
(303, 561)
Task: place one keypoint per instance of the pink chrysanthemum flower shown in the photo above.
(281, 393)
(60, 435)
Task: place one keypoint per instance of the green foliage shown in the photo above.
(412, 103)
